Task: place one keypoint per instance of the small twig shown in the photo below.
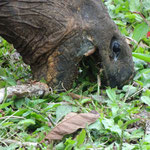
(127, 94)
(136, 93)
(61, 103)
(34, 110)
(8, 141)
(51, 122)
(12, 117)
(131, 130)
(76, 96)
(8, 117)
(98, 84)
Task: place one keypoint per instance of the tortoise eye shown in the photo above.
(116, 47)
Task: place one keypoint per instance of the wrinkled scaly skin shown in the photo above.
(53, 35)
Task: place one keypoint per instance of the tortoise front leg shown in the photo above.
(61, 70)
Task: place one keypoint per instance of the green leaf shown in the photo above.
(60, 146)
(81, 138)
(2, 84)
(10, 147)
(96, 125)
(38, 101)
(120, 123)
(140, 31)
(85, 100)
(136, 134)
(120, 23)
(144, 57)
(146, 100)
(134, 5)
(146, 4)
(27, 122)
(6, 124)
(38, 117)
(127, 146)
(130, 122)
(67, 99)
(69, 144)
(129, 89)
(50, 107)
(9, 80)
(111, 94)
(114, 108)
(19, 103)
(4, 105)
(146, 138)
(109, 124)
(21, 112)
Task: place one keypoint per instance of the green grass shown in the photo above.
(123, 113)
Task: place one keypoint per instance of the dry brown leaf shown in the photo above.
(70, 124)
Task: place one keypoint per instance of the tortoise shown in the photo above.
(53, 36)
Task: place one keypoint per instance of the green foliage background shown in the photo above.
(124, 114)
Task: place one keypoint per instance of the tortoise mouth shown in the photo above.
(89, 66)
(126, 80)
(125, 74)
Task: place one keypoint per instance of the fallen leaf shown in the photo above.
(70, 124)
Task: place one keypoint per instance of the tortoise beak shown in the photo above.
(122, 78)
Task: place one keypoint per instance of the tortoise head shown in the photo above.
(54, 39)
(114, 52)
(117, 61)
